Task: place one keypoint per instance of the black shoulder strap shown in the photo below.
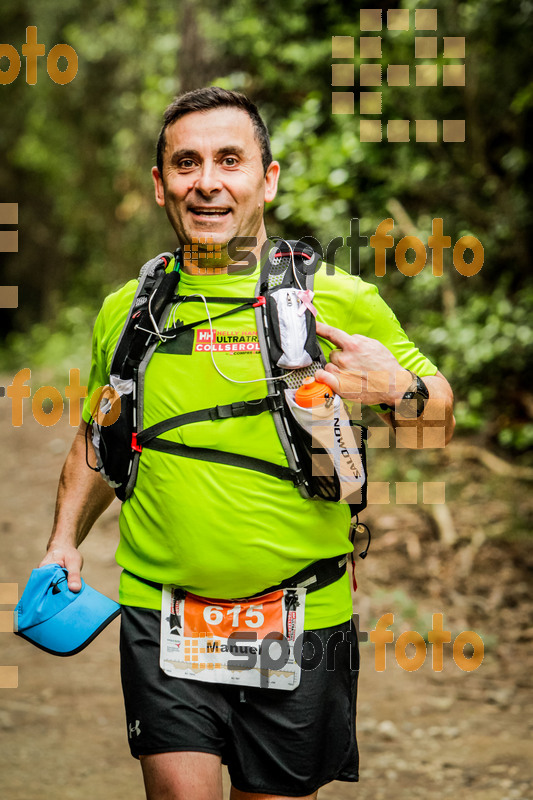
(118, 460)
(278, 270)
(156, 288)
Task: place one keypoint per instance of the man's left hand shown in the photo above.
(363, 370)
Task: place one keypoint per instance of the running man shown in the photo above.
(218, 531)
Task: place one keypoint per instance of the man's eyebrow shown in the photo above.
(183, 153)
(233, 149)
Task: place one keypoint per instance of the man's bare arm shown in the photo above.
(82, 496)
(363, 370)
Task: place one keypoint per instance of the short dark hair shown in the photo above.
(205, 100)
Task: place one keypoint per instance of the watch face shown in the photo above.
(407, 408)
(421, 388)
(420, 403)
(418, 392)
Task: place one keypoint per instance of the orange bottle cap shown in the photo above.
(312, 393)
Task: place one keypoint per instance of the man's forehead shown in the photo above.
(216, 128)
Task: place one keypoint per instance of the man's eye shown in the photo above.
(230, 161)
(186, 163)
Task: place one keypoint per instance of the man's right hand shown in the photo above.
(68, 557)
(81, 498)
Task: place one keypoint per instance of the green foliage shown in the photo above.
(51, 352)
(490, 337)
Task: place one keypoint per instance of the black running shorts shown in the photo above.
(273, 741)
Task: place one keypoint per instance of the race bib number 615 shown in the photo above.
(239, 642)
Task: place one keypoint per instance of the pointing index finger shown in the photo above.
(335, 335)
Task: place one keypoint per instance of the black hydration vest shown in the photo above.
(290, 352)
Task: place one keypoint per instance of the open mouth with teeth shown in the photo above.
(210, 212)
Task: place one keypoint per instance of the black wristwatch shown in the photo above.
(418, 391)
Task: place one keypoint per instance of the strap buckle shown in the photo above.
(261, 301)
(237, 409)
(274, 402)
(134, 444)
(298, 478)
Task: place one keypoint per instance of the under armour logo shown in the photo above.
(55, 585)
(134, 728)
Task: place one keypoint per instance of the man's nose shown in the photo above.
(208, 180)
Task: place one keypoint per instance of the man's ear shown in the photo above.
(271, 181)
(159, 187)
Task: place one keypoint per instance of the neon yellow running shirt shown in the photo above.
(222, 531)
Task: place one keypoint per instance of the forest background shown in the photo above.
(76, 160)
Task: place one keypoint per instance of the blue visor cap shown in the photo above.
(57, 620)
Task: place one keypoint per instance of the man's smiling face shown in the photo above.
(213, 183)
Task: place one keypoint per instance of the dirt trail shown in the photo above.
(422, 734)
